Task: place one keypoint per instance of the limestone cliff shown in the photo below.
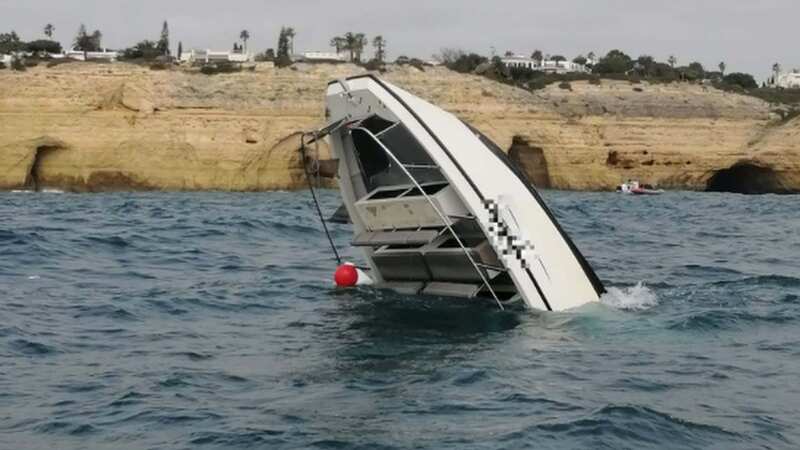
(94, 127)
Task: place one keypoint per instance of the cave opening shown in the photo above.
(531, 160)
(34, 178)
(746, 178)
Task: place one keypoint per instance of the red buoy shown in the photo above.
(346, 275)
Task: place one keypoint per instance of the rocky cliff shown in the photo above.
(94, 127)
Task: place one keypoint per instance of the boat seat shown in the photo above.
(447, 261)
(404, 288)
(381, 238)
(442, 289)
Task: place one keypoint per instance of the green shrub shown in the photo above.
(467, 63)
(743, 80)
(771, 95)
(566, 85)
(2, 66)
(158, 66)
(283, 61)
(146, 50)
(615, 61)
(58, 62)
(417, 63)
(17, 64)
(374, 65)
(222, 67)
(43, 46)
(31, 63)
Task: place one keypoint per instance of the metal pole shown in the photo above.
(316, 201)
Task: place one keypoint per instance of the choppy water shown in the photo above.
(179, 321)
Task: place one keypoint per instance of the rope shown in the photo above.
(316, 201)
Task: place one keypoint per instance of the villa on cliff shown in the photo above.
(789, 80)
(211, 56)
(547, 66)
(80, 55)
(320, 57)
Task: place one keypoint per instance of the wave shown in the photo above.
(113, 241)
(31, 348)
(635, 298)
(728, 318)
(639, 423)
(245, 438)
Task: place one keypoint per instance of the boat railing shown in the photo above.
(445, 219)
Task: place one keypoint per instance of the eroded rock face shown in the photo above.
(94, 127)
(531, 160)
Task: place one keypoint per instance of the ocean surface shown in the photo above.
(209, 320)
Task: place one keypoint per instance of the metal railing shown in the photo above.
(445, 219)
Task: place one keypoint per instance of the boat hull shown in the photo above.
(545, 266)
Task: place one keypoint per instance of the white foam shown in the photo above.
(43, 191)
(637, 298)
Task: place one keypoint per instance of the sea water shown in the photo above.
(209, 320)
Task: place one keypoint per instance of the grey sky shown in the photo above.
(748, 35)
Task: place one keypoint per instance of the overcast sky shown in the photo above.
(748, 35)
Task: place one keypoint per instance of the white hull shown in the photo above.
(390, 144)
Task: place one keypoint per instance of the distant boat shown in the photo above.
(633, 187)
(439, 210)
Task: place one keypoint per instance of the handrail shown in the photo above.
(442, 216)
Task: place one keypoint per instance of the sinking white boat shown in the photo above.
(438, 209)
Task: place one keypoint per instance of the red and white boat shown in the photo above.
(633, 187)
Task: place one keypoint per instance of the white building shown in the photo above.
(6, 59)
(209, 56)
(789, 80)
(323, 56)
(109, 55)
(548, 66)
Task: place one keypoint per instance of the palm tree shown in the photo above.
(672, 60)
(537, 56)
(360, 42)
(244, 36)
(290, 34)
(48, 30)
(350, 44)
(380, 48)
(722, 67)
(776, 69)
(339, 43)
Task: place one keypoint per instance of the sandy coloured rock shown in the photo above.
(96, 127)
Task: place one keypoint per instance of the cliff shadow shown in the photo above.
(531, 160)
(747, 177)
